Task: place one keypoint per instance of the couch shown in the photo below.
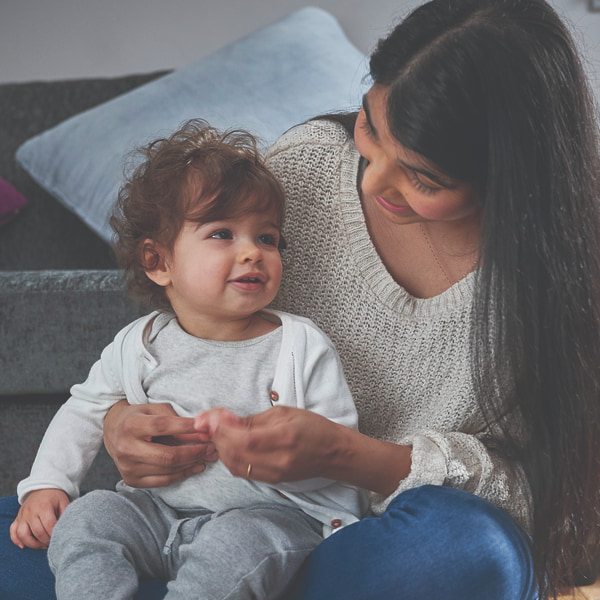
(60, 291)
(63, 145)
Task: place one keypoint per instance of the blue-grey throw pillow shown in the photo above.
(265, 82)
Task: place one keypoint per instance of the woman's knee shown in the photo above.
(484, 548)
(472, 543)
(432, 542)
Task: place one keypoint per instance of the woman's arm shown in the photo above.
(290, 444)
(145, 443)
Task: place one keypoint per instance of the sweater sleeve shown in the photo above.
(462, 461)
(74, 435)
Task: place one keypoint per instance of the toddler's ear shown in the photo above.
(155, 264)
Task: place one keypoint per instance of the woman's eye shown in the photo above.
(365, 126)
(222, 234)
(268, 239)
(426, 187)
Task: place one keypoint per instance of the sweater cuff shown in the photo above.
(428, 467)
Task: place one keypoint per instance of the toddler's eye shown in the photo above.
(269, 239)
(222, 234)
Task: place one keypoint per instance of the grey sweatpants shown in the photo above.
(106, 541)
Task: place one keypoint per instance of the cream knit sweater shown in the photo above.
(406, 359)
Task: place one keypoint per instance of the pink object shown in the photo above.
(11, 202)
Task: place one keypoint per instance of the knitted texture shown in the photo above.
(406, 358)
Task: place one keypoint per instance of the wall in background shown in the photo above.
(53, 39)
(63, 39)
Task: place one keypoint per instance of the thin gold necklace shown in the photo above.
(437, 260)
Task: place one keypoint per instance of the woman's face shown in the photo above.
(404, 186)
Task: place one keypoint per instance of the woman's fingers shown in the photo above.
(133, 436)
(280, 444)
(149, 478)
(150, 464)
(156, 465)
(154, 420)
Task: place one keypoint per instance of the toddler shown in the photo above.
(198, 232)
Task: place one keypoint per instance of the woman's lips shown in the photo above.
(393, 207)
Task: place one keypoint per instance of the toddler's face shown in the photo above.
(225, 269)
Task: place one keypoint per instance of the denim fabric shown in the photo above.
(432, 542)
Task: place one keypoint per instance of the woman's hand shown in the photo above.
(37, 517)
(291, 444)
(281, 444)
(152, 446)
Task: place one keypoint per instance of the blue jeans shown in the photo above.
(432, 542)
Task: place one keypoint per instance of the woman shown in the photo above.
(450, 249)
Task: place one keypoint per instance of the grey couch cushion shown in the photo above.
(54, 325)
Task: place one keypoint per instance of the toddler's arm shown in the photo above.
(37, 516)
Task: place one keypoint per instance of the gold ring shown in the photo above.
(249, 471)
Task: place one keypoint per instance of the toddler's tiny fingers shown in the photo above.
(14, 536)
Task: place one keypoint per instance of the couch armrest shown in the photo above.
(54, 325)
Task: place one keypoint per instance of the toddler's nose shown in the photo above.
(250, 253)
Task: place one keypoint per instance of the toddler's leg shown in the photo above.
(243, 554)
(103, 542)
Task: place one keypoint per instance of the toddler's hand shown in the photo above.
(208, 422)
(36, 519)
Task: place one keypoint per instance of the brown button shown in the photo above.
(335, 523)
(274, 396)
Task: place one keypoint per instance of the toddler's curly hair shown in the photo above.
(197, 174)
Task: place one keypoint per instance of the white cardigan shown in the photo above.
(308, 375)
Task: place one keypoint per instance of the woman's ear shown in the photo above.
(155, 263)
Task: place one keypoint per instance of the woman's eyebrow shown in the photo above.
(365, 106)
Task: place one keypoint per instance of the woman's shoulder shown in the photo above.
(317, 132)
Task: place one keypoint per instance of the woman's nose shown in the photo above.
(374, 179)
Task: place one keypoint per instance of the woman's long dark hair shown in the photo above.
(492, 92)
